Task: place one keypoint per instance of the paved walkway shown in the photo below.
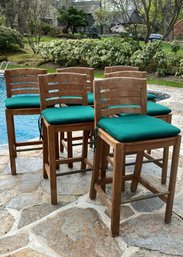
(78, 227)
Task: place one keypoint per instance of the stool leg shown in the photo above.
(123, 174)
(84, 149)
(52, 164)
(137, 171)
(172, 182)
(116, 188)
(105, 151)
(69, 148)
(11, 140)
(45, 150)
(61, 145)
(96, 167)
(165, 165)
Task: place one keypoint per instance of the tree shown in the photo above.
(102, 18)
(156, 14)
(170, 11)
(37, 11)
(72, 18)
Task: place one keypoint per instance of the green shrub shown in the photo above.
(175, 47)
(151, 58)
(46, 28)
(10, 40)
(90, 52)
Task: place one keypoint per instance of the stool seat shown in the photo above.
(130, 128)
(27, 101)
(68, 114)
(154, 109)
(151, 96)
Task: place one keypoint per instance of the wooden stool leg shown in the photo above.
(123, 175)
(45, 150)
(69, 148)
(52, 165)
(165, 165)
(61, 145)
(137, 171)
(57, 149)
(11, 141)
(105, 151)
(172, 182)
(84, 149)
(116, 188)
(96, 167)
(91, 138)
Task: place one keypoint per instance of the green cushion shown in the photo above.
(68, 115)
(155, 109)
(22, 102)
(150, 96)
(90, 98)
(137, 127)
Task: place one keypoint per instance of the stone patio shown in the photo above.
(78, 227)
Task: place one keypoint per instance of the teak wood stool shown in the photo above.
(135, 132)
(57, 92)
(67, 141)
(155, 110)
(22, 99)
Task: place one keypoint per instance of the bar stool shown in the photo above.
(22, 99)
(63, 109)
(136, 132)
(153, 109)
(67, 142)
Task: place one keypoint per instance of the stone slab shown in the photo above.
(78, 233)
(11, 243)
(149, 231)
(36, 212)
(28, 252)
(6, 221)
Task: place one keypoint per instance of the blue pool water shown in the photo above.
(26, 126)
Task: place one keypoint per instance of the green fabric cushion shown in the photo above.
(154, 109)
(22, 102)
(137, 127)
(68, 115)
(90, 98)
(150, 96)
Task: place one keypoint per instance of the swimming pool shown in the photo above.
(26, 126)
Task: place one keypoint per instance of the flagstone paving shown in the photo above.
(77, 227)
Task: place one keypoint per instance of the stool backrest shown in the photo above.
(89, 72)
(22, 81)
(114, 96)
(62, 89)
(109, 69)
(127, 73)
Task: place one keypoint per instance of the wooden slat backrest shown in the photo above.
(82, 70)
(127, 73)
(62, 88)
(109, 69)
(22, 81)
(114, 92)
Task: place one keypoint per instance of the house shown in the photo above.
(89, 8)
